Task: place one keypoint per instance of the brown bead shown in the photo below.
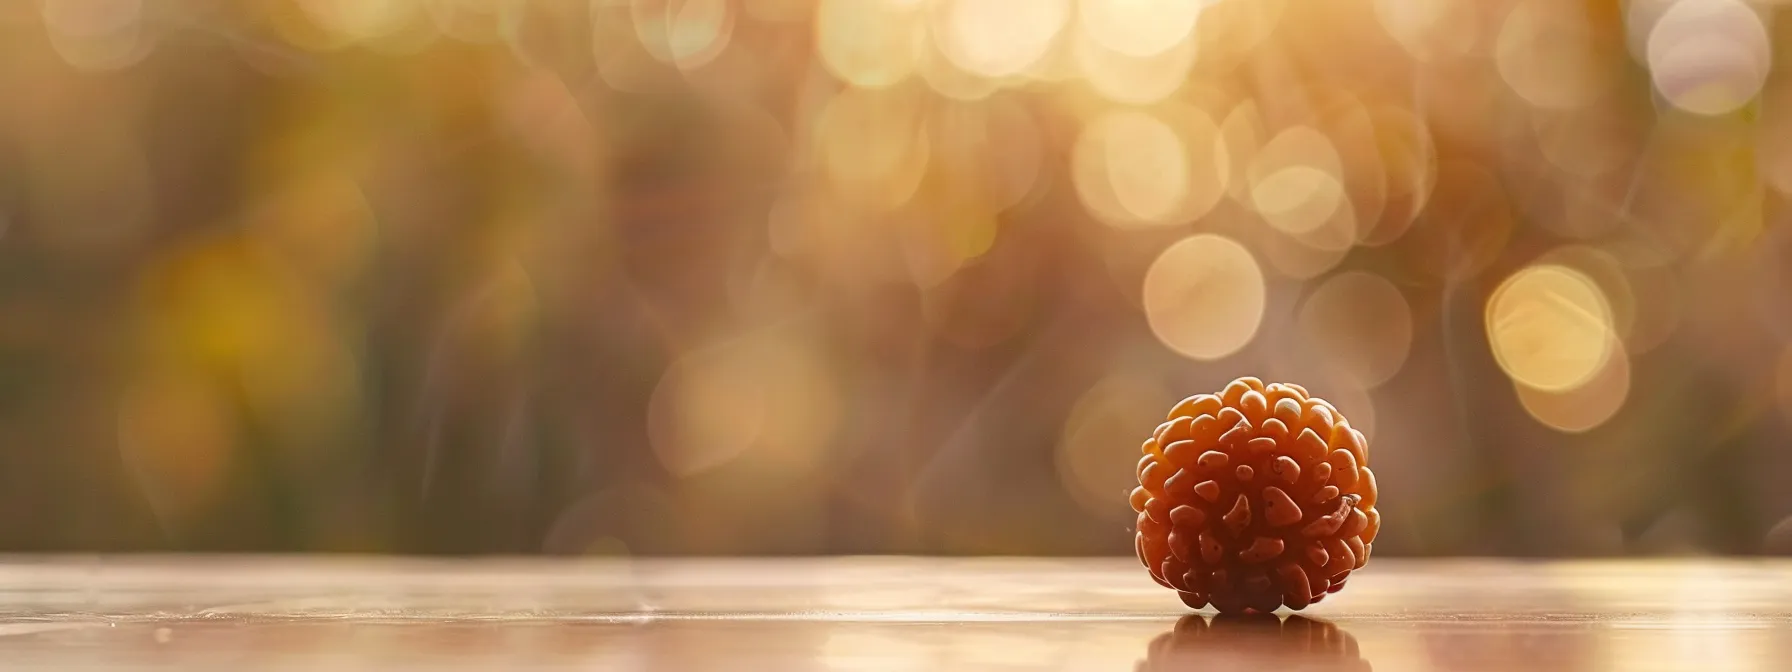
(1254, 498)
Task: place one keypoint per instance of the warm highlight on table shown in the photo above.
(873, 614)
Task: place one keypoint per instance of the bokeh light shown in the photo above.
(756, 397)
(1243, 133)
(1361, 324)
(312, 273)
(1588, 142)
(473, 21)
(1296, 181)
(1609, 274)
(872, 143)
(948, 80)
(1134, 170)
(996, 38)
(1131, 167)
(869, 43)
(1140, 27)
(1433, 30)
(1410, 160)
(1204, 296)
(1230, 31)
(1708, 56)
(991, 148)
(1310, 255)
(1587, 406)
(1349, 126)
(1550, 327)
(1125, 76)
(1548, 52)
(687, 34)
(98, 35)
(355, 20)
(698, 31)
(1106, 417)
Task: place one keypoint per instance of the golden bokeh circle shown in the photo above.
(1708, 57)
(1132, 169)
(1548, 53)
(1140, 27)
(1296, 181)
(1106, 420)
(1204, 296)
(1585, 407)
(996, 38)
(869, 43)
(1550, 327)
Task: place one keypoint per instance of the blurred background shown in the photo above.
(881, 276)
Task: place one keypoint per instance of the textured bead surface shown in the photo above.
(1254, 498)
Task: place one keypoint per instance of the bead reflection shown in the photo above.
(1259, 642)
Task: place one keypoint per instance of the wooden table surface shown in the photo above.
(872, 614)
